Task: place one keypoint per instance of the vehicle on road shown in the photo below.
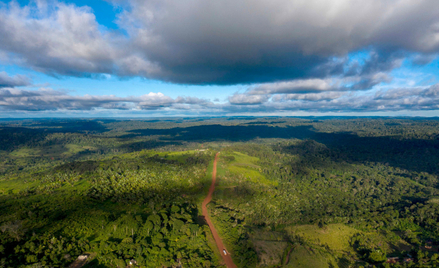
(225, 252)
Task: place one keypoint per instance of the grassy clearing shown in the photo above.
(243, 159)
(269, 252)
(15, 185)
(336, 236)
(25, 152)
(333, 242)
(245, 166)
(221, 169)
(74, 149)
(269, 246)
(304, 257)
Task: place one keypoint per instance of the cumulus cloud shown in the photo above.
(221, 42)
(244, 99)
(297, 86)
(290, 55)
(13, 81)
(411, 99)
(49, 99)
(304, 86)
(65, 40)
(310, 97)
(46, 99)
(154, 101)
(62, 39)
(258, 41)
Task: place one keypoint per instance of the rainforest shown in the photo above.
(288, 192)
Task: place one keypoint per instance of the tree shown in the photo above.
(15, 229)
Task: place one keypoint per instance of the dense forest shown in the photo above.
(291, 192)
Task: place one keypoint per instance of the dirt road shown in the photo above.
(219, 243)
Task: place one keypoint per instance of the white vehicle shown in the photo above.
(225, 252)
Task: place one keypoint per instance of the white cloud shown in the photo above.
(49, 99)
(244, 99)
(396, 99)
(46, 99)
(298, 86)
(311, 96)
(302, 86)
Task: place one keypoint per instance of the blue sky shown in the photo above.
(191, 58)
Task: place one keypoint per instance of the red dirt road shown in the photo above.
(219, 243)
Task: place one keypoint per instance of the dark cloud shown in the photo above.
(382, 61)
(13, 81)
(222, 42)
(262, 41)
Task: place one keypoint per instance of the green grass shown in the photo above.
(336, 236)
(74, 149)
(334, 239)
(15, 186)
(305, 257)
(25, 152)
(220, 168)
(244, 159)
(269, 246)
(246, 166)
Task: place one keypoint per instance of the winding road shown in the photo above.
(219, 243)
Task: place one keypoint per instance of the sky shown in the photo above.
(155, 58)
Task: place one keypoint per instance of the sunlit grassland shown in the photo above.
(15, 184)
(336, 236)
(305, 257)
(243, 166)
(338, 241)
(25, 152)
(74, 149)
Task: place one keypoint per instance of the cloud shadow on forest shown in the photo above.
(418, 155)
